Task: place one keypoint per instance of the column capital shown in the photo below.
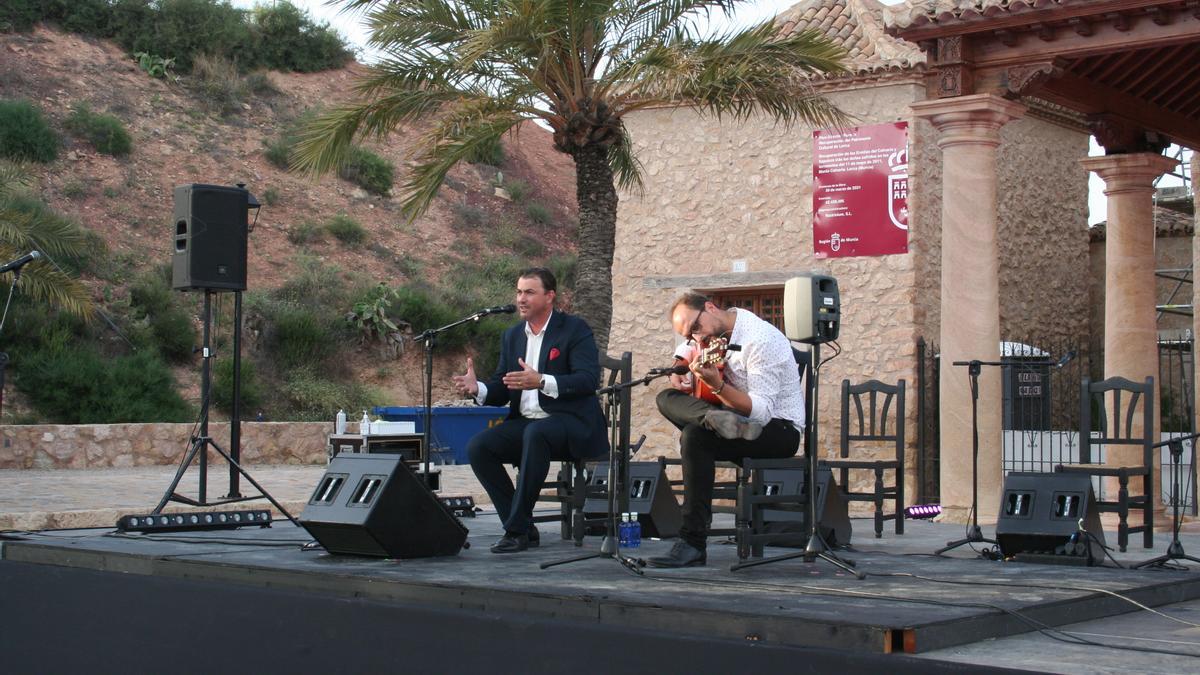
(1133, 172)
(974, 119)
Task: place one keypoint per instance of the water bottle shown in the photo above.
(364, 425)
(339, 422)
(623, 531)
(635, 531)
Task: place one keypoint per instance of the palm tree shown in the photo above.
(480, 68)
(26, 223)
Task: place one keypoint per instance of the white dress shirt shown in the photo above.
(530, 406)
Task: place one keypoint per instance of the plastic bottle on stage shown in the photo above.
(364, 425)
(339, 422)
(623, 531)
(635, 531)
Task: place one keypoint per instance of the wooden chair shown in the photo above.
(877, 418)
(1120, 397)
(569, 488)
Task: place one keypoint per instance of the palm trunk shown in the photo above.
(597, 197)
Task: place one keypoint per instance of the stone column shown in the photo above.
(969, 129)
(1130, 326)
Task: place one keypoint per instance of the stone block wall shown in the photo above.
(89, 446)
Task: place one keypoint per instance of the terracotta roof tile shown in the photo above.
(917, 13)
(858, 27)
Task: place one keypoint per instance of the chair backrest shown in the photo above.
(877, 414)
(1117, 401)
(619, 371)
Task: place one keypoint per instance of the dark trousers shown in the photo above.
(700, 449)
(529, 445)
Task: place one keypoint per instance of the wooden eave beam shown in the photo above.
(1091, 98)
(986, 50)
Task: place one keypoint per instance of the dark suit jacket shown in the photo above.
(576, 369)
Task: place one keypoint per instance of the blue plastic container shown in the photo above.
(452, 426)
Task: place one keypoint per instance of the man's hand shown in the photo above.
(467, 384)
(709, 373)
(525, 378)
(681, 382)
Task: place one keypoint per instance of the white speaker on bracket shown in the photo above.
(812, 309)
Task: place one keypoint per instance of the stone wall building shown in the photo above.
(723, 196)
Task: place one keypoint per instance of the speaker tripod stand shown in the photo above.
(816, 548)
(1175, 548)
(202, 441)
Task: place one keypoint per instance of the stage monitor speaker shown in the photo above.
(812, 309)
(1042, 514)
(374, 505)
(211, 224)
(649, 495)
(832, 516)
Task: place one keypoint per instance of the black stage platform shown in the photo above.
(130, 595)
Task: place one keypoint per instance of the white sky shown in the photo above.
(749, 14)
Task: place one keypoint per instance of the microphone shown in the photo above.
(672, 370)
(17, 264)
(1066, 358)
(498, 309)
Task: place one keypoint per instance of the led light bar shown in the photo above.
(923, 511)
(207, 520)
(462, 507)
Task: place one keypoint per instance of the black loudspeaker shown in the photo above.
(211, 223)
(1042, 515)
(374, 505)
(649, 495)
(832, 517)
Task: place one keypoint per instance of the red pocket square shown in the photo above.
(554, 353)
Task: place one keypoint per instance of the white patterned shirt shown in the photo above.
(765, 369)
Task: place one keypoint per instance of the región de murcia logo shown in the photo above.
(898, 188)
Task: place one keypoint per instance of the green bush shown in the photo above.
(218, 82)
(104, 132)
(19, 15)
(279, 152)
(171, 327)
(303, 338)
(538, 213)
(369, 171)
(311, 397)
(491, 154)
(78, 385)
(517, 189)
(222, 390)
(271, 197)
(24, 134)
(346, 230)
(305, 232)
(290, 40)
(468, 218)
(187, 28)
(509, 237)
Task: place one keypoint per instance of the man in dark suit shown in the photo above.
(548, 375)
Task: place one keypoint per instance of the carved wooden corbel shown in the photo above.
(1021, 80)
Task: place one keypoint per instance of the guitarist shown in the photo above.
(757, 406)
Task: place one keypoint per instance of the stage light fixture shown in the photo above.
(923, 511)
(209, 520)
(461, 507)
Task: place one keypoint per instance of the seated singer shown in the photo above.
(746, 402)
(548, 375)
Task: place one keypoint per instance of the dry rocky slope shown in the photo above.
(177, 139)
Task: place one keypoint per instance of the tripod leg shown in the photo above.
(183, 467)
(253, 482)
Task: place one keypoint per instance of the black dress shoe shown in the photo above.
(682, 554)
(535, 537)
(511, 543)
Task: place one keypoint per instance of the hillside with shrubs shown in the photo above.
(107, 105)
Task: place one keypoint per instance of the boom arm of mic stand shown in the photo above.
(427, 338)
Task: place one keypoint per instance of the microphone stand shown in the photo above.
(1175, 548)
(427, 338)
(3, 319)
(615, 394)
(974, 534)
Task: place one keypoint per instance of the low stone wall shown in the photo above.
(89, 446)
